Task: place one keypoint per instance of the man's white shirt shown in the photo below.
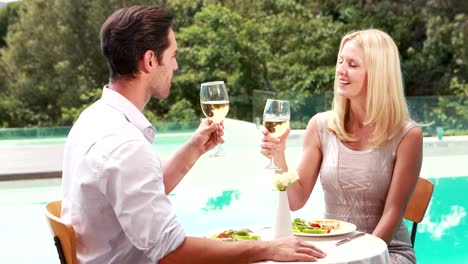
(112, 184)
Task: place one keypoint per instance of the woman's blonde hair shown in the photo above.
(386, 106)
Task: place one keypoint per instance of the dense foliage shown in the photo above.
(51, 66)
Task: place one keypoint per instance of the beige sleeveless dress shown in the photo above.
(355, 185)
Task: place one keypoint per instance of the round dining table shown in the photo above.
(365, 249)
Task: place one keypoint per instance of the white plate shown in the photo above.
(345, 228)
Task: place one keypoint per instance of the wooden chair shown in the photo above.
(418, 204)
(64, 235)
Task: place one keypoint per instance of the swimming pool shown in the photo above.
(235, 191)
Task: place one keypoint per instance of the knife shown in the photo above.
(341, 242)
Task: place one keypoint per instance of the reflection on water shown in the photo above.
(438, 228)
(442, 234)
(218, 202)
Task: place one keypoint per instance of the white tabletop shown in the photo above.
(363, 250)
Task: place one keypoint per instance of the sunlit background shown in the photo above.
(51, 69)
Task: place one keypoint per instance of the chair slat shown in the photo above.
(63, 231)
(418, 203)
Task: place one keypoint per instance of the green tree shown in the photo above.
(220, 45)
(53, 56)
(182, 116)
(31, 45)
(71, 114)
(8, 16)
(451, 111)
(51, 63)
(257, 52)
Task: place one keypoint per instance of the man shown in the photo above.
(115, 186)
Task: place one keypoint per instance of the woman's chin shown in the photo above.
(341, 91)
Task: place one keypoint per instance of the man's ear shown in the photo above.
(149, 60)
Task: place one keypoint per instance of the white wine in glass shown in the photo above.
(276, 120)
(215, 105)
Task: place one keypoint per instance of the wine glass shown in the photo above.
(276, 120)
(215, 105)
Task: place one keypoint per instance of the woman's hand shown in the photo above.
(272, 146)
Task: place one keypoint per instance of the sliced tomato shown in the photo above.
(314, 225)
(224, 235)
(328, 228)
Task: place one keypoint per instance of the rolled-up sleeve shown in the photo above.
(131, 179)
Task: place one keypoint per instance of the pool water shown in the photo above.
(441, 237)
(443, 234)
(236, 192)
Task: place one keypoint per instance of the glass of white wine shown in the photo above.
(215, 105)
(276, 120)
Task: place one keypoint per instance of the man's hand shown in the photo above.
(195, 250)
(207, 136)
(293, 249)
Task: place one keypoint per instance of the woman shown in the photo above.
(367, 149)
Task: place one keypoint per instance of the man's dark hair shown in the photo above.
(129, 32)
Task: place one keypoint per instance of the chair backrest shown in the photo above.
(63, 233)
(418, 204)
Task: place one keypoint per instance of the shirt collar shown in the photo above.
(132, 114)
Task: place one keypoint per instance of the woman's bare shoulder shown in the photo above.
(414, 134)
(319, 117)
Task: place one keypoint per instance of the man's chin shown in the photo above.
(162, 96)
(166, 95)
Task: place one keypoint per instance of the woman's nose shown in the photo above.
(341, 68)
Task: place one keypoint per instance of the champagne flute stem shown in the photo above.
(219, 151)
(271, 166)
(218, 138)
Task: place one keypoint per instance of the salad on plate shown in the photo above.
(236, 235)
(319, 226)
